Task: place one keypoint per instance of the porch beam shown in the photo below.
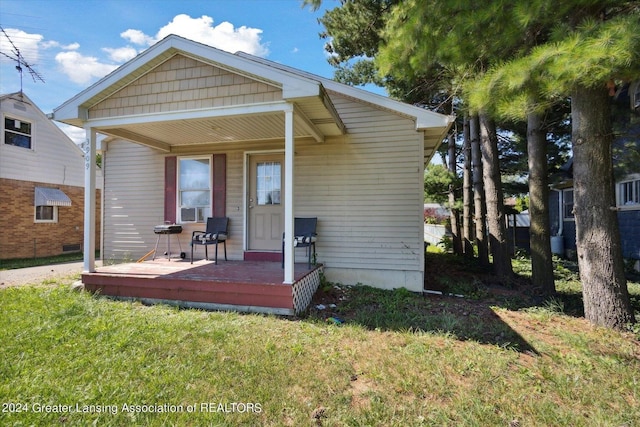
(139, 139)
(309, 126)
(200, 113)
(89, 246)
(289, 152)
(326, 100)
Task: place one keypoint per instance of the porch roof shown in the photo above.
(315, 115)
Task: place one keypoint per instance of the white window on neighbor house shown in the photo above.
(17, 132)
(629, 193)
(46, 214)
(46, 202)
(567, 204)
(194, 189)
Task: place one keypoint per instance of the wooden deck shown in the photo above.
(250, 286)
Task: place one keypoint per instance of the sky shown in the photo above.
(73, 43)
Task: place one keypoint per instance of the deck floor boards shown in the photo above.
(242, 285)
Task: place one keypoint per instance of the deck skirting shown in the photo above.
(234, 286)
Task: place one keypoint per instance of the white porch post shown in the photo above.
(90, 201)
(289, 148)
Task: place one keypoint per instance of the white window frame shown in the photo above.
(179, 207)
(5, 130)
(565, 217)
(634, 182)
(39, 221)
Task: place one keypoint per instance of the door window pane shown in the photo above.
(268, 183)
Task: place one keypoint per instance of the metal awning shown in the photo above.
(45, 196)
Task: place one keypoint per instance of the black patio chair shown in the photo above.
(304, 237)
(217, 232)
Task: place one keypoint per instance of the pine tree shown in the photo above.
(455, 35)
(594, 42)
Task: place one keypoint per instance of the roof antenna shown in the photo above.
(16, 56)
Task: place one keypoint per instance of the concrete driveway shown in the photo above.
(36, 275)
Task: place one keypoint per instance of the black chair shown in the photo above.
(217, 232)
(304, 237)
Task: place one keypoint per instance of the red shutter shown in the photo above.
(219, 184)
(170, 178)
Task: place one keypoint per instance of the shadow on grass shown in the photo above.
(468, 318)
(401, 310)
(569, 291)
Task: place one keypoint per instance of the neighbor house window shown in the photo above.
(567, 204)
(194, 189)
(46, 214)
(17, 132)
(629, 193)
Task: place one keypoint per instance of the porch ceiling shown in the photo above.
(174, 133)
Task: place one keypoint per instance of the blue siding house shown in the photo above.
(626, 165)
(563, 227)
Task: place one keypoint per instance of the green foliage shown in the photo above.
(446, 244)
(353, 29)
(437, 180)
(359, 73)
(588, 54)
(456, 34)
(522, 203)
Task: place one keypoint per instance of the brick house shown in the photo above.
(41, 184)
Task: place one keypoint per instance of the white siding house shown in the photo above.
(51, 157)
(41, 183)
(352, 159)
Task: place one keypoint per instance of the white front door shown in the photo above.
(266, 202)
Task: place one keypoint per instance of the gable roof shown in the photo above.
(21, 97)
(425, 119)
(309, 92)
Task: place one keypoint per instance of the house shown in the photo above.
(563, 227)
(194, 132)
(626, 167)
(41, 184)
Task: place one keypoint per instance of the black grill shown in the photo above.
(167, 229)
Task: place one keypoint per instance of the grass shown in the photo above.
(9, 264)
(398, 359)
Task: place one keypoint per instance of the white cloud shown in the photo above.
(222, 36)
(137, 37)
(72, 46)
(122, 54)
(82, 69)
(27, 44)
(76, 134)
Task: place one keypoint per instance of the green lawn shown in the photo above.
(9, 264)
(399, 359)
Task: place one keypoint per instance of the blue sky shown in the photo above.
(73, 43)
